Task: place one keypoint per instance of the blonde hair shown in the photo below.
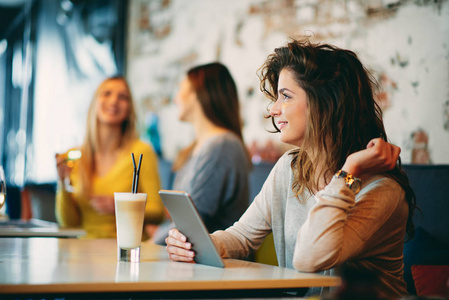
(90, 143)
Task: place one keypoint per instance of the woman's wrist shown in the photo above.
(351, 169)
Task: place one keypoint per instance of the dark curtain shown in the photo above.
(93, 33)
(17, 107)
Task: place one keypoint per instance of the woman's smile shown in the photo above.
(281, 124)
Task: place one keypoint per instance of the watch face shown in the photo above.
(355, 186)
(351, 182)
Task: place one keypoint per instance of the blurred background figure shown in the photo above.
(87, 180)
(2, 194)
(214, 168)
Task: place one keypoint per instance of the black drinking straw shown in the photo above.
(134, 175)
(137, 175)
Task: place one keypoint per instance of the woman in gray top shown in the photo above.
(340, 198)
(214, 169)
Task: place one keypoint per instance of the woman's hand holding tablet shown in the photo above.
(178, 248)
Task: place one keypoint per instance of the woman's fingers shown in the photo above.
(177, 239)
(61, 166)
(180, 253)
(174, 233)
(385, 152)
(175, 242)
(103, 204)
(388, 154)
(178, 248)
(395, 152)
(372, 143)
(379, 156)
(175, 257)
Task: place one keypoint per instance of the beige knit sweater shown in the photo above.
(317, 233)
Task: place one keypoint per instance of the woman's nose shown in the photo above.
(275, 109)
(114, 98)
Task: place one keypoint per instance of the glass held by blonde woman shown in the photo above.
(340, 197)
(105, 165)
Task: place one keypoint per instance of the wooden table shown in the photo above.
(58, 267)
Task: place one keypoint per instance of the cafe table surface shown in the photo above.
(36, 228)
(64, 266)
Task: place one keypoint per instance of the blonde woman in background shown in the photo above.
(106, 166)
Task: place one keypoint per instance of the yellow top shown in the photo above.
(74, 210)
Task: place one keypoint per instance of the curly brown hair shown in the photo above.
(343, 114)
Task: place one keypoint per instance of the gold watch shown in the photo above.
(353, 183)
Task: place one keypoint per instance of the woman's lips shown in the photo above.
(282, 124)
(111, 110)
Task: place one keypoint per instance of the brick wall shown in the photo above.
(405, 44)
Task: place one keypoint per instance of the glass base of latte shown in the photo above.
(129, 255)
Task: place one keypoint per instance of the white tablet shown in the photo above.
(187, 220)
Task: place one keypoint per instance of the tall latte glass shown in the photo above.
(129, 215)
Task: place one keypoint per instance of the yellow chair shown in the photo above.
(266, 253)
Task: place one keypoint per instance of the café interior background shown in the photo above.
(54, 53)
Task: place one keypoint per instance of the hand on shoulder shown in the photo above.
(379, 156)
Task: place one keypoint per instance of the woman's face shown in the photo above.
(113, 102)
(186, 101)
(290, 111)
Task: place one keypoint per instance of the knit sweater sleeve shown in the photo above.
(339, 225)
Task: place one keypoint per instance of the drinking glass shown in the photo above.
(129, 216)
(69, 159)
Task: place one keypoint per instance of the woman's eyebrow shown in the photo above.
(285, 89)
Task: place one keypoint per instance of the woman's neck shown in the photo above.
(109, 139)
(108, 149)
(204, 130)
(320, 169)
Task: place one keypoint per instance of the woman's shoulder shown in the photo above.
(139, 146)
(226, 151)
(227, 143)
(227, 138)
(381, 180)
(384, 186)
(282, 168)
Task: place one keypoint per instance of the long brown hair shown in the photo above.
(90, 143)
(343, 115)
(217, 94)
